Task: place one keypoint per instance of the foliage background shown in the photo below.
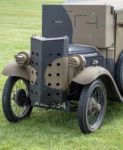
(46, 130)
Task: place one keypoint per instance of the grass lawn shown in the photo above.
(46, 130)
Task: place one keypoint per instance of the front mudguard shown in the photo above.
(89, 74)
(13, 69)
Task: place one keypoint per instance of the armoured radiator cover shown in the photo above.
(48, 56)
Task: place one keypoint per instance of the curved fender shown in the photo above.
(13, 69)
(90, 74)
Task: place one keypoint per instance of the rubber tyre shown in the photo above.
(119, 73)
(82, 107)
(6, 105)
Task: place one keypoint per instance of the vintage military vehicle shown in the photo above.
(76, 65)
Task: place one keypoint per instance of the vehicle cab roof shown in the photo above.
(117, 4)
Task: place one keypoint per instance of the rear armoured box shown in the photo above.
(49, 58)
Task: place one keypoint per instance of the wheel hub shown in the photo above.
(21, 97)
(94, 105)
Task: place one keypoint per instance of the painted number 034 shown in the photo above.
(58, 106)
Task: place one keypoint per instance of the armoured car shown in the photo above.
(76, 65)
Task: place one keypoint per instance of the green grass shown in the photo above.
(46, 130)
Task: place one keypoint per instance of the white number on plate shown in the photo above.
(58, 106)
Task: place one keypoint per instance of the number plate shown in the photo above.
(54, 106)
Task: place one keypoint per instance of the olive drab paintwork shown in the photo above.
(94, 32)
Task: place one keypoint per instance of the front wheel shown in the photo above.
(92, 107)
(15, 100)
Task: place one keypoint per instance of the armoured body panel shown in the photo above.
(84, 24)
(52, 70)
(119, 34)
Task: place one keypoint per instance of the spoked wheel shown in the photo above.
(92, 107)
(15, 101)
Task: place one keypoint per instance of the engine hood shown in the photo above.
(82, 49)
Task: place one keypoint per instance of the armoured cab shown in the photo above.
(84, 24)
